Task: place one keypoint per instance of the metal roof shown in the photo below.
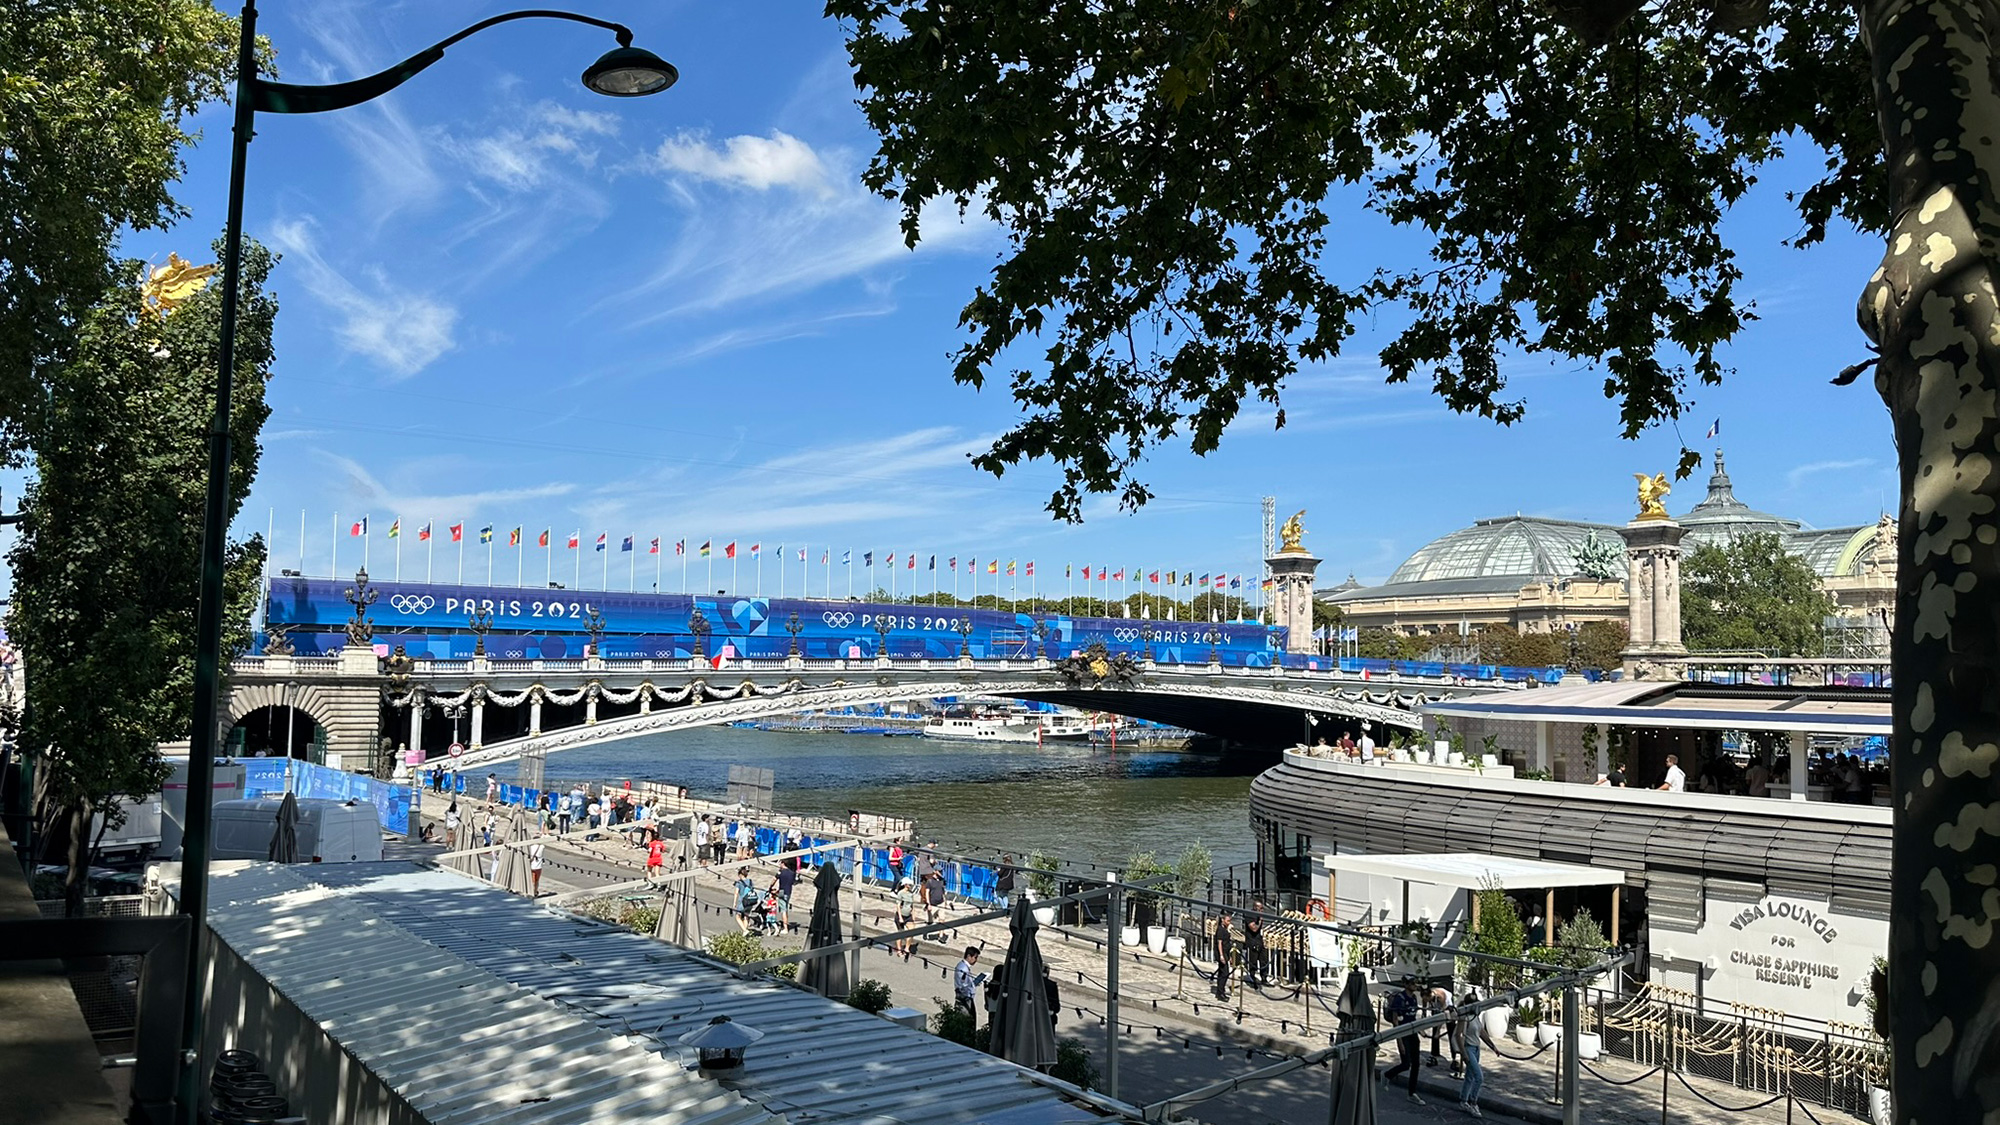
(1474, 871)
(386, 955)
(1673, 705)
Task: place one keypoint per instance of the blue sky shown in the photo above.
(507, 300)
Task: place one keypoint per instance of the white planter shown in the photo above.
(1156, 939)
(1525, 1035)
(1548, 1033)
(1129, 936)
(1490, 760)
(1495, 1020)
(1589, 1045)
(1440, 750)
(1045, 915)
(1878, 1105)
(1455, 759)
(1175, 947)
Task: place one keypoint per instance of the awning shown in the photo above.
(1474, 871)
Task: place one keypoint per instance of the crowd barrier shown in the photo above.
(274, 777)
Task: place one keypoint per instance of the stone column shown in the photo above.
(1292, 570)
(478, 720)
(1653, 606)
(418, 704)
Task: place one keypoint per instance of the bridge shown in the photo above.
(356, 699)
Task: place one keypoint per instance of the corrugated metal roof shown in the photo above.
(603, 1001)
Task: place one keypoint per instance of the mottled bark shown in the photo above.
(1932, 310)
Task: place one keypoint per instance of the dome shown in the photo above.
(1722, 516)
(1519, 549)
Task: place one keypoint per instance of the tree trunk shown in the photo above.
(1931, 310)
(79, 858)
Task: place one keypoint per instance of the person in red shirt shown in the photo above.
(656, 858)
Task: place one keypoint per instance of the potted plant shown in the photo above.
(1489, 751)
(1879, 1109)
(1528, 1022)
(1192, 875)
(1500, 935)
(1147, 925)
(1042, 885)
(1580, 943)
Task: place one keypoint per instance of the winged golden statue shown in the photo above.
(1292, 531)
(1651, 488)
(166, 287)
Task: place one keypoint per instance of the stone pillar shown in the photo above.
(1653, 605)
(478, 721)
(418, 704)
(1292, 570)
(535, 713)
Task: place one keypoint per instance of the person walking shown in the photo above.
(1436, 1002)
(906, 916)
(1469, 1031)
(1676, 780)
(492, 821)
(1003, 882)
(451, 822)
(492, 788)
(746, 900)
(964, 984)
(933, 886)
(787, 879)
(565, 811)
(1225, 953)
(1402, 1009)
(656, 861)
(535, 869)
(701, 837)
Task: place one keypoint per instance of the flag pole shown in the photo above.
(430, 551)
(461, 552)
(489, 558)
(658, 561)
(334, 565)
(632, 569)
(735, 570)
(604, 579)
(302, 540)
(520, 558)
(364, 542)
(399, 548)
(576, 574)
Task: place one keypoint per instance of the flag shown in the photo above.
(1221, 580)
(1154, 578)
(655, 548)
(360, 527)
(729, 551)
(1203, 580)
(912, 556)
(457, 532)
(1118, 575)
(993, 566)
(847, 558)
(1715, 429)
(544, 540)
(933, 565)
(514, 538)
(424, 532)
(825, 556)
(602, 537)
(1068, 572)
(1010, 568)
(952, 563)
(1031, 568)
(396, 529)
(755, 548)
(802, 554)
(704, 547)
(867, 558)
(1187, 578)
(486, 534)
(1100, 574)
(1266, 584)
(575, 540)
(627, 545)
(1236, 583)
(1170, 578)
(680, 546)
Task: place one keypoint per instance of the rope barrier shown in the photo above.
(1725, 1108)
(1615, 1082)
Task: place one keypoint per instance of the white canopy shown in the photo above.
(1473, 871)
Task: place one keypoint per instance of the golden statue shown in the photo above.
(165, 288)
(1651, 488)
(1290, 534)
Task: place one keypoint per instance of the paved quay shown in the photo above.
(1179, 1037)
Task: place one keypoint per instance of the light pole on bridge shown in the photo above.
(626, 71)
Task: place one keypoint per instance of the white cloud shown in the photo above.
(364, 488)
(401, 330)
(758, 163)
(1799, 474)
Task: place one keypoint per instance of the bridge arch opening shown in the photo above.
(278, 731)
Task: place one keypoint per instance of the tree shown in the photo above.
(1167, 175)
(1601, 644)
(92, 104)
(107, 566)
(1748, 593)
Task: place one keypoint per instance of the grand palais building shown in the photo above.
(1547, 575)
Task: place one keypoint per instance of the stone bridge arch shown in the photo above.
(349, 712)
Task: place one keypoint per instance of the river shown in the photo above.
(1082, 803)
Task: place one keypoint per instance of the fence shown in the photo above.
(271, 777)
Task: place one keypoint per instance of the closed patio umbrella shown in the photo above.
(825, 975)
(680, 920)
(512, 871)
(285, 838)
(1022, 1030)
(1354, 1074)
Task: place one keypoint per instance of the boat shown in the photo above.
(1009, 725)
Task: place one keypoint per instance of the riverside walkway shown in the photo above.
(1176, 1036)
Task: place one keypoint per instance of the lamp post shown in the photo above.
(965, 637)
(794, 626)
(624, 72)
(698, 625)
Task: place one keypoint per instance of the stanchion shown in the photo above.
(1113, 923)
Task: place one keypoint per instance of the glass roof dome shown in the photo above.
(1519, 548)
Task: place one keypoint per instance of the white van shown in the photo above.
(328, 832)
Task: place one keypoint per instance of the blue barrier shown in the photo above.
(268, 777)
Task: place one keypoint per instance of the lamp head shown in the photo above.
(630, 72)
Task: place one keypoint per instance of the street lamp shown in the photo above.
(625, 72)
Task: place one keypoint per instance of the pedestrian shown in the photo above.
(1470, 1031)
(492, 788)
(565, 811)
(451, 822)
(896, 872)
(491, 823)
(1225, 953)
(933, 895)
(1402, 1010)
(964, 984)
(656, 859)
(746, 900)
(906, 916)
(1051, 994)
(1003, 882)
(786, 881)
(720, 837)
(794, 838)
(1437, 1002)
(1254, 969)
(1676, 781)
(746, 840)
(701, 837)
(535, 869)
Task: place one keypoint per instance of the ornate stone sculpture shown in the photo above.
(1095, 666)
(277, 642)
(1292, 532)
(1598, 559)
(1651, 489)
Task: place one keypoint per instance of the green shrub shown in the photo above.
(1073, 1063)
(954, 1024)
(743, 949)
(1042, 874)
(1580, 942)
(640, 919)
(869, 995)
(1193, 872)
(1500, 934)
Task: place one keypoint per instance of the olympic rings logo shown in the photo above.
(840, 620)
(1125, 634)
(411, 603)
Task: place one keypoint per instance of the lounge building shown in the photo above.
(1547, 575)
